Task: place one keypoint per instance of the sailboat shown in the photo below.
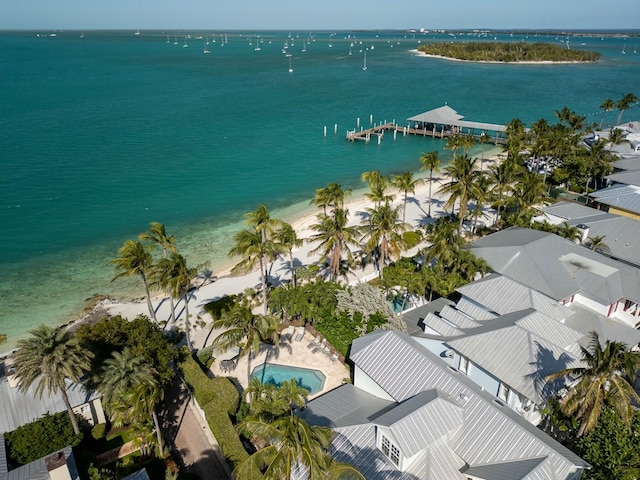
(185, 43)
(364, 65)
(167, 38)
(350, 51)
(304, 46)
(290, 69)
(175, 40)
(624, 45)
(206, 49)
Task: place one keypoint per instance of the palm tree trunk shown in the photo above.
(293, 272)
(263, 281)
(404, 207)
(187, 337)
(154, 415)
(72, 415)
(148, 295)
(430, 182)
(172, 305)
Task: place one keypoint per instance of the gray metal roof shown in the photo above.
(557, 267)
(36, 470)
(518, 358)
(474, 310)
(344, 406)
(621, 234)
(421, 420)
(436, 323)
(491, 433)
(17, 408)
(501, 294)
(626, 197)
(608, 328)
(631, 177)
(458, 318)
(139, 475)
(446, 115)
(518, 470)
(628, 163)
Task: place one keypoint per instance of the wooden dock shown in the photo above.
(379, 130)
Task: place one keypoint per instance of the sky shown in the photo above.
(318, 14)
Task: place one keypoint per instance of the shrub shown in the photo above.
(40, 438)
(98, 431)
(218, 398)
(218, 307)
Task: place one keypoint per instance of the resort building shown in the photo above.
(57, 466)
(568, 273)
(410, 416)
(621, 235)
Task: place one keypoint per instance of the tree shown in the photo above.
(606, 106)
(130, 377)
(604, 380)
(617, 136)
(180, 286)
(453, 143)
(463, 173)
(334, 237)
(501, 178)
(383, 233)
(291, 443)
(431, 162)
(48, 359)
(287, 238)
(597, 244)
(136, 259)
(445, 241)
(529, 191)
(406, 184)
(623, 104)
(250, 246)
(330, 196)
(377, 186)
(158, 237)
(248, 331)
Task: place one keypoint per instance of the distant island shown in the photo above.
(508, 52)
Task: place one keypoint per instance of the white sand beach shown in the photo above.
(227, 284)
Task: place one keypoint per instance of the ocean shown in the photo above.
(104, 132)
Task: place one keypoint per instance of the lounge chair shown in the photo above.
(287, 333)
(315, 342)
(299, 333)
(334, 357)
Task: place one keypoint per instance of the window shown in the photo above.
(503, 392)
(464, 365)
(391, 451)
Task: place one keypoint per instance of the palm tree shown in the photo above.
(330, 196)
(462, 185)
(603, 380)
(136, 259)
(606, 106)
(180, 284)
(445, 241)
(597, 244)
(253, 249)
(453, 143)
(384, 230)
(248, 331)
(287, 239)
(405, 183)
(377, 186)
(431, 162)
(570, 232)
(334, 237)
(501, 178)
(157, 235)
(292, 443)
(617, 136)
(529, 191)
(484, 139)
(48, 358)
(623, 104)
(127, 377)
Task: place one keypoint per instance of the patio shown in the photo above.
(294, 353)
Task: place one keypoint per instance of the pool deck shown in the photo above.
(294, 354)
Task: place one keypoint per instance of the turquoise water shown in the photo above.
(103, 134)
(311, 380)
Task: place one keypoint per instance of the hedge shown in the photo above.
(218, 398)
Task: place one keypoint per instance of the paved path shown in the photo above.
(190, 435)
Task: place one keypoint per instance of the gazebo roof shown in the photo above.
(446, 115)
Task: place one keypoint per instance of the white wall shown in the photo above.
(591, 304)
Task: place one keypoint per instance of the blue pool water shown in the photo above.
(311, 380)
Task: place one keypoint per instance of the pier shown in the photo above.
(442, 122)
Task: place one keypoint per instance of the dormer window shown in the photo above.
(390, 450)
(464, 365)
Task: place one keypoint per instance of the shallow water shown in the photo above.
(103, 134)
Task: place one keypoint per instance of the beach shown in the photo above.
(227, 284)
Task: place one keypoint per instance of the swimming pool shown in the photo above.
(312, 380)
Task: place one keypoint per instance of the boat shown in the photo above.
(304, 46)
(167, 38)
(364, 65)
(137, 32)
(206, 50)
(175, 40)
(185, 43)
(624, 46)
(350, 51)
(290, 69)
